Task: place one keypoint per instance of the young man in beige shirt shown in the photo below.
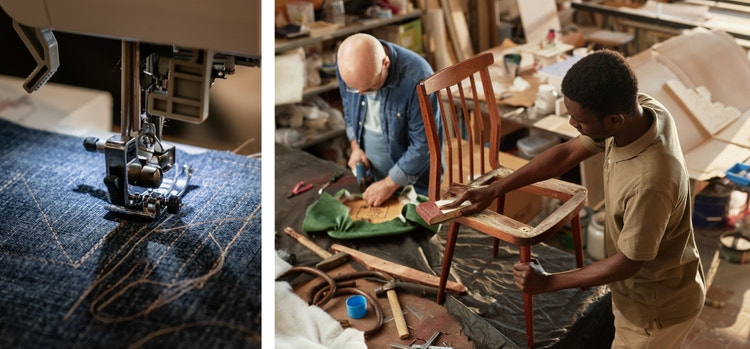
(652, 263)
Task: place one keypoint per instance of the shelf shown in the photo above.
(327, 85)
(357, 27)
(282, 45)
(320, 137)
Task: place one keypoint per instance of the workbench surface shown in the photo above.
(491, 314)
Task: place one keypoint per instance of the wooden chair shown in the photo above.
(457, 89)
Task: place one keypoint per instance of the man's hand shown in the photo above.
(530, 277)
(377, 193)
(358, 155)
(480, 198)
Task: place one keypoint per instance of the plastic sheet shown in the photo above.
(492, 312)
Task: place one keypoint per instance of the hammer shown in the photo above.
(329, 261)
(398, 315)
(419, 290)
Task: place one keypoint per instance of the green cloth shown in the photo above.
(329, 214)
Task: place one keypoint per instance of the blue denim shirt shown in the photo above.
(400, 117)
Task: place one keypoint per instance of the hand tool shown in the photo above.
(334, 178)
(427, 344)
(360, 169)
(398, 315)
(408, 287)
(299, 188)
(429, 341)
(329, 261)
(397, 270)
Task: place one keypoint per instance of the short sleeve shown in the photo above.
(644, 220)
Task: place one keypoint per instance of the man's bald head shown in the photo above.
(360, 60)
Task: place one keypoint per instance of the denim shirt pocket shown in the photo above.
(397, 125)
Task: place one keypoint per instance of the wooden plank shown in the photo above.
(398, 271)
(486, 28)
(437, 39)
(458, 30)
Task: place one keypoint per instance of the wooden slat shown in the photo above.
(398, 271)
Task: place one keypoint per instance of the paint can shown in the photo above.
(711, 206)
(735, 247)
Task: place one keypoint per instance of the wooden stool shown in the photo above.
(611, 39)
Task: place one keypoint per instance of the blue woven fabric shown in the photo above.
(74, 275)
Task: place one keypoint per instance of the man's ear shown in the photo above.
(616, 120)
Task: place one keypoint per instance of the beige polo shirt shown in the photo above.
(648, 218)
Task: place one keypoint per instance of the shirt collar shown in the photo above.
(393, 78)
(639, 145)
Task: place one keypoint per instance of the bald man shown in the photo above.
(377, 82)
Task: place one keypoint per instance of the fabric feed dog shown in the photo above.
(74, 275)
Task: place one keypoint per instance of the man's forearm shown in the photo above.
(605, 271)
(549, 164)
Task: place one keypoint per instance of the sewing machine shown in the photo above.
(172, 50)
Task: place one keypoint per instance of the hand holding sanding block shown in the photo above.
(432, 214)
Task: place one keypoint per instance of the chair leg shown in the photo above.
(500, 209)
(450, 244)
(528, 306)
(575, 226)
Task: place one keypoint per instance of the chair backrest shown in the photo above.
(459, 89)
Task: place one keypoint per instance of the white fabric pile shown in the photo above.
(299, 325)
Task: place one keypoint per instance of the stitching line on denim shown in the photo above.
(107, 273)
(210, 235)
(175, 289)
(20, 177)
(117, 261)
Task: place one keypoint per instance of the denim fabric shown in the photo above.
(400, 117)
(74, 275)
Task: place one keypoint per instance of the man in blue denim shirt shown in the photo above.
(377, 82)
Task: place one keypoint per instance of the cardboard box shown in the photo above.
(408, 35)
(701, 59)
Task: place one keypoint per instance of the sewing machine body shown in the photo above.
(228, 26)
(186, 45)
